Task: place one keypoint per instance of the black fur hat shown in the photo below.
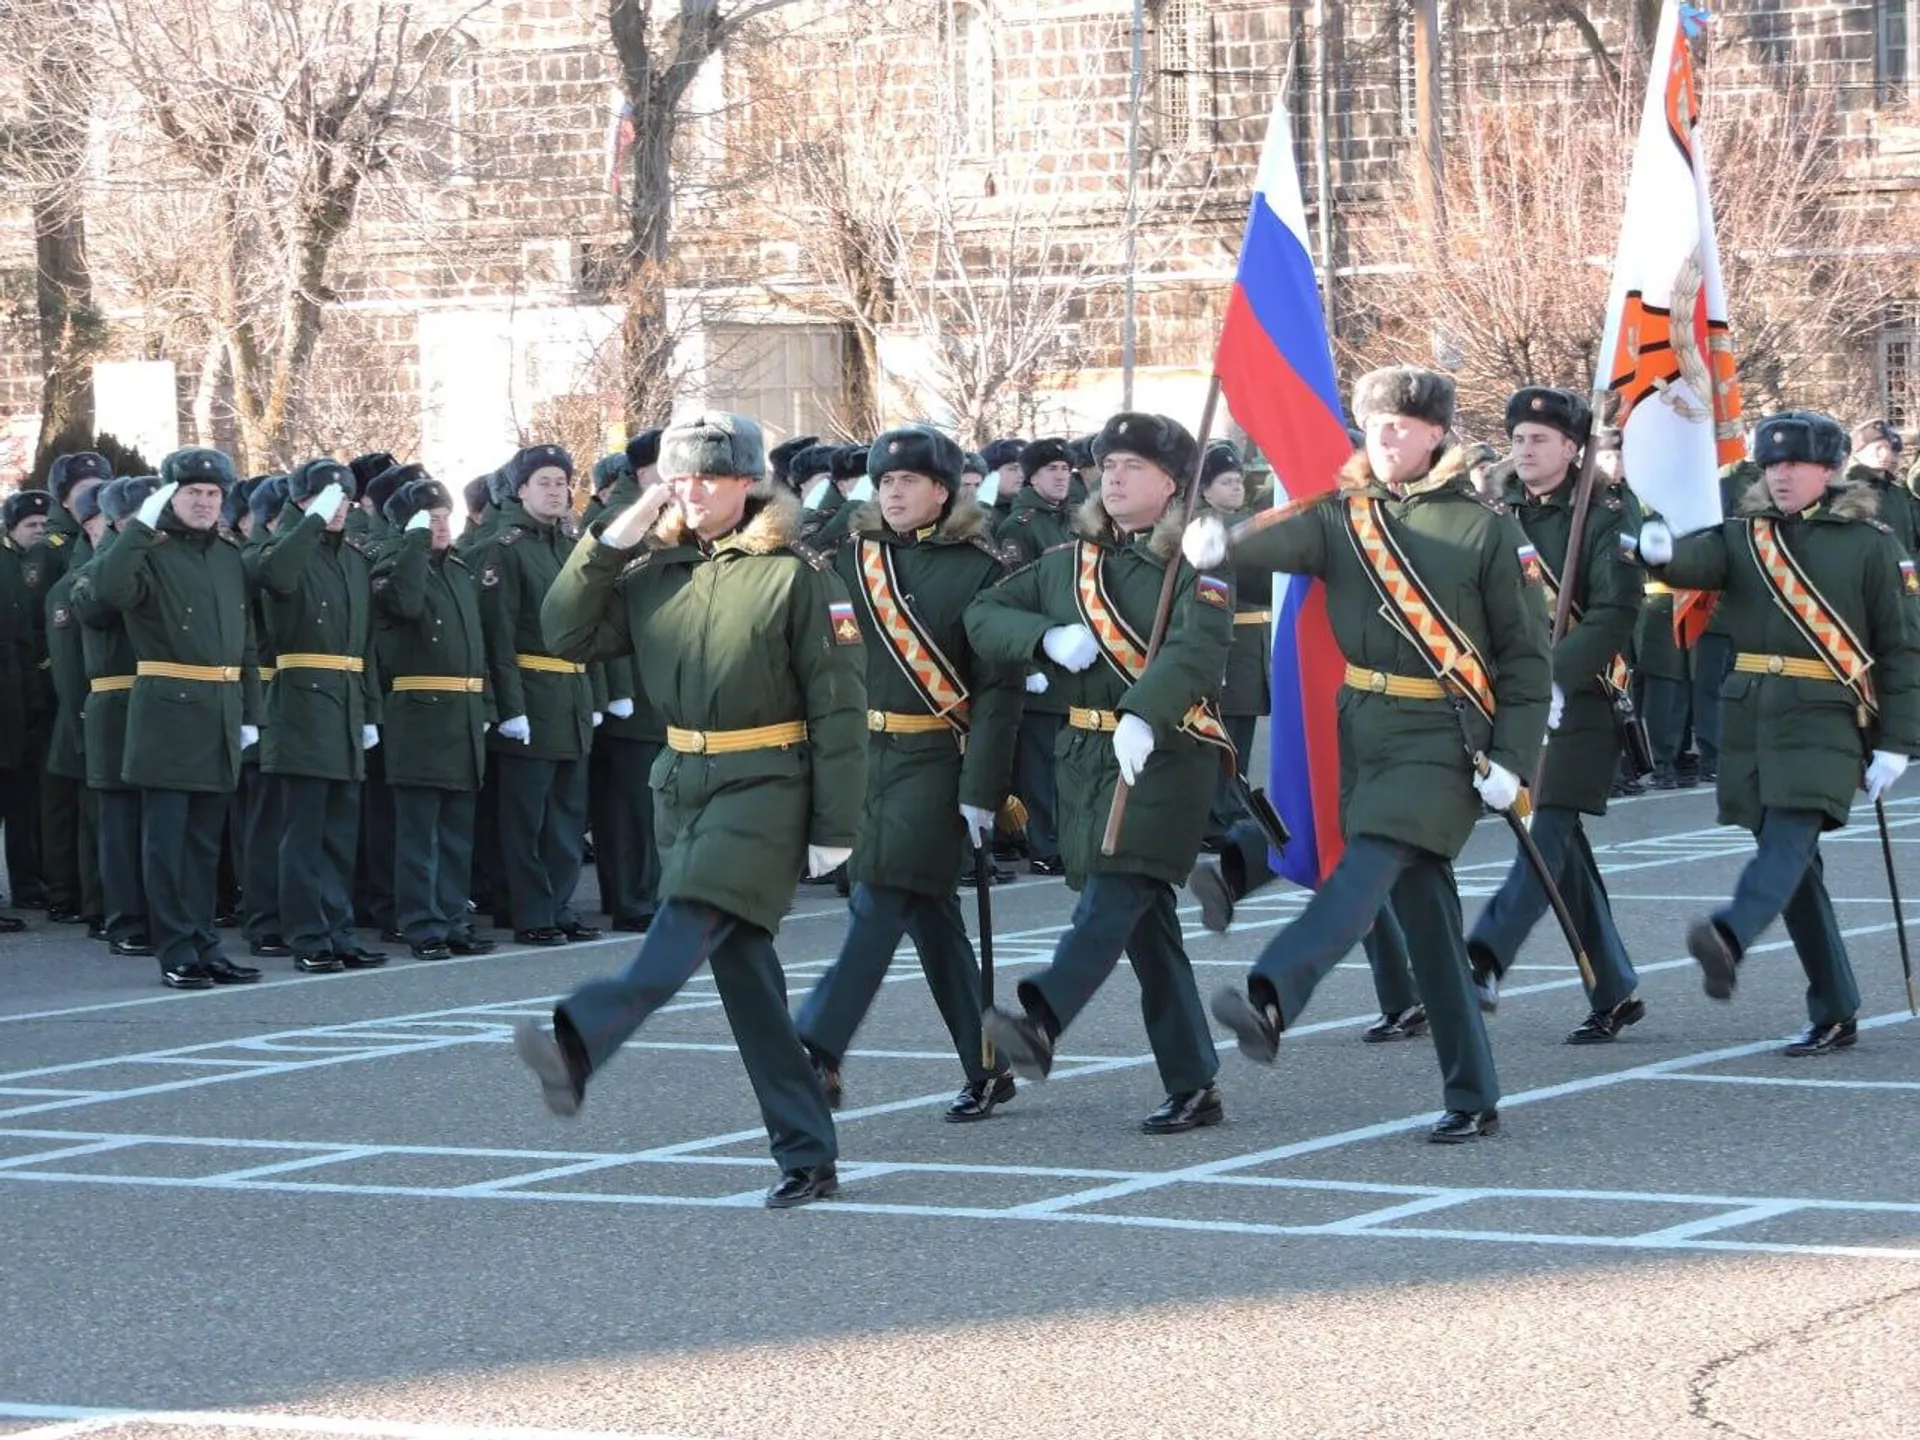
(236, 503)
(1042, 453)
(24, 505)
(308, 479)
(478, 494)
(197, 465)
(1220, 459)
(1002, 452)
(120, 498)
(500, 485)
(1561, 410)
(715, 442)
(1800, 436)
(644, 449)
(269, 498)
(1156, 439)
(1404, 390)
(521, 468)
(86, 504)
(68, 471)
(609, 470)
(814, 460)
(420, 493)
(780, 457)
(850, 462)
(920, 449)
(366, 468)
(388, 483)
(975, 464)
(1080, 452)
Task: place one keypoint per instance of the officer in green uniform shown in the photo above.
(1405, 523)
(811, 472)
(1875, 463)
(1547, 429)
(363, 520)
(263, 813)
(27, 706)
(489, 879)
(1713, 650)
(323, 709)
(1245, 695)
(1795, 736)
(754, 658)
(373, 898)
(182, 590)
(435, 714)
(66, 752)
(848, 472)
(110, 661)
(1083, 613)
(483, 513)
(941, 725)
(540, 747)
(1003, 461)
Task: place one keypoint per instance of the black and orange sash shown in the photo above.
(1123, 649)
(1411, 608)
(1837, 646)
(930, 673)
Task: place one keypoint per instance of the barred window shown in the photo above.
(970, 63)
(1181, 72)
(1899, 364)
(1896, 48)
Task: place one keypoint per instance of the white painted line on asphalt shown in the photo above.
(1795, 1083)
(307, 1162)
(1360, 1224)
(92, 1147)
(94, 1419)
(1712, 1224)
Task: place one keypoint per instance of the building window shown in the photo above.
(1896, 48)
(450, 104)
(970, 65)
(1899, 364)
(1181, 73)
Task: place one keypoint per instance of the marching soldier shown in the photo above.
(939, 754)
(433, 655)
(540, 748)
(1084, 611)
(1815, 590)
(27, 707)
(1548, 428)
(323, 710)
(66, 751)
(1246, 694)
(182, 590)
(1422, 580)
(1875, 463)
(263, 814)
(754, 657)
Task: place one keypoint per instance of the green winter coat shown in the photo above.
(621, 682)
(478, 537)
(23, 593)
(109, 655)
(1029, 530)
(1404, 768)
(427, 618)
(729, 637)
(316, 598)
(17, 658)
(1899, 507)
(67, 751)
(1167, 810)
(1735, 481)
(1795, 744)
(1584, 752)
(183, 594)
(1248, 689)
(516, 570)
(911, 835)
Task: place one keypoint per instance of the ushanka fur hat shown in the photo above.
(23, 505)
(1560, 410)
(1403, 390)
(1221, 459)
(920, 450)
(197, 465)
(1156, 439)
(781, 457)
(715, 442)
(1041, 453)
(1863, 435)
(269, 498)
(120, 498)
(68, 471)
(478, 494)
(644, 449)
(609, 470)
(1800, 436)
(526, 463)
(307, 480)
(423, 493)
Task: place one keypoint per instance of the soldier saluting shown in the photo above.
(939, 752)
(1423, 580)
(754, 658)
(1814, 592)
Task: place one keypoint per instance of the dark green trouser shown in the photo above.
(1421, 887)
(122, 882)
(881, 915)
(180, 855)
(433, 861)
(620, 807)
(1034, 782)
(543, 825)
(320, 828)
(263, 815)
(20, 814)
(60, 843)
(373, 873)
(598, 1018)
(1786, 880)
(1665, 706)
(1227, 808)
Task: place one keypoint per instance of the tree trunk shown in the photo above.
(646, 334)
(70, 328)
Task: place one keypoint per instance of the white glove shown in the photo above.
(1036, 684)
(421, 520)
(598, 718)
(1132, 744)
(626, 529)
(816, 495)
(1886, 768)
(988, 495)
(979, 824)
(1556, 707)
(369, 736)
(1655, 543)
(154, 506)
(1205, 543)
(1499, 787)
(249, 736)
(620, 709)
(518, 728)
(1071, 647)
(861, 492)
(824, 858)
(327, 503)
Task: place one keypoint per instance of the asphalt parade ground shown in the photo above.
(334, 1205)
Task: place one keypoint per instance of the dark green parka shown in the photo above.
(1248, 688)
(427, 615)
(109, 656)
(1899, 508)
(17, 658)
(516, 570)
(732, 636)
(67, 750)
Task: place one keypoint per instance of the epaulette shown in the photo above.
(1880, 525)
(1063, 545)
(353, 541)
(819, 560)
(1612, 500)
(637, 563)
(1025, 517)
(509, 535)
(56, 539)
(1007, 555)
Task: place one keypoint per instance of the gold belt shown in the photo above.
(1655, 587)
(1252, 617)
(106, 684)
(266, 673)
(167, 670)
(1750, 664)
(731, 742)
(448, 684)
(1401, 687)
(351, 664)
(894, 723)
(1083, 719)
(547, 665)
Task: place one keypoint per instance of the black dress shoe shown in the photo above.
(1208, 882)
(393, 935)
(64, 916)
(1189, 1110)
(186, 977)
(1825, 1039)
(1486, 977)
(978, 1097)
(804, 1186)
(13, 925)
(1665, 779)
(432, 950)
(1708, 944)
(360, 958)
(319, 962)
(270, 947)
(1020, 1040)
(138, 945)
(540, 1051)
(826, 1070)
(1457, 1127)
(633, 924)
(576, 932)
(96, 929)
(469, 944)
(1601, 1026)
(539, 935)
(1055, 866)
(225, 972)
(226, 920)
(1408, 1024)
(1256, 1027)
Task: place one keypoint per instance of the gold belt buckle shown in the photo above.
(1377, 682)
(697, 742)
(876, 721)
(1775, 664)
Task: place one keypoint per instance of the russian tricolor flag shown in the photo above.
(1276, 369)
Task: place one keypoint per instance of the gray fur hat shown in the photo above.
(713, 442)
(1404, 390)
(197, 465)
(307, 480)
(120, 498)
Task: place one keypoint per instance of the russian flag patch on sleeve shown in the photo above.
(846, 629)
(1214, 591)
(1530, 566)
(1908, 579)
